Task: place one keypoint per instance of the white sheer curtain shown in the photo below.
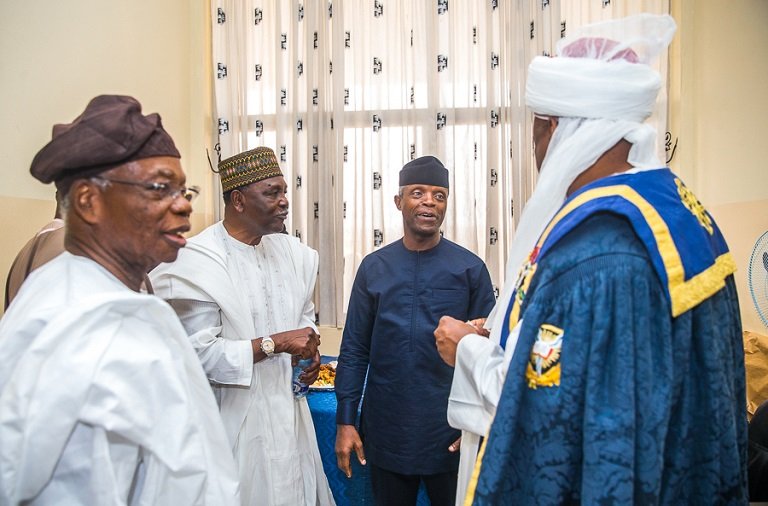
(346, 92)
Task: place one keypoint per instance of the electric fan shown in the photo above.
(757, 276)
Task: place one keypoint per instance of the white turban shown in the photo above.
(601, 88)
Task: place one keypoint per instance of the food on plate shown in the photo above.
(326, 377)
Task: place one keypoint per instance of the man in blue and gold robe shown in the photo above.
(626, 385)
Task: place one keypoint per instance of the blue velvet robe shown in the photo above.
(609, 397)
(396, 302)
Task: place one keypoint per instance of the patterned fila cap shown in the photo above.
(248, 167)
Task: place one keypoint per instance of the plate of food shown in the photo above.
(326, 379)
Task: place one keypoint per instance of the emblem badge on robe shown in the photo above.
(692, 203)
(523, 280)
(524, 277)
(544, 363)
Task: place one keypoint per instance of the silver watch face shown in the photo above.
(267, 346)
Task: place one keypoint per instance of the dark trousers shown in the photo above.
(395, 489)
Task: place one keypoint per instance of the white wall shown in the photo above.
(56, 55)
(719, 111)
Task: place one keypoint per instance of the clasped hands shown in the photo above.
(450, 331)
(299, 344)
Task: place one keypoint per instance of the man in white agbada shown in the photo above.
(592, 95)
(243, 291)
(102, 400)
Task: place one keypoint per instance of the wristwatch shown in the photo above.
(267, 346)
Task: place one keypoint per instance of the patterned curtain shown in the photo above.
(347, 92)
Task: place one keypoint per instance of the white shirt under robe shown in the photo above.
(226, 294)
(102, 400)
(478, 378)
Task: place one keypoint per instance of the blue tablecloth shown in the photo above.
(347, 492)
(355, 491)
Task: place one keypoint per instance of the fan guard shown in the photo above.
(757, 276)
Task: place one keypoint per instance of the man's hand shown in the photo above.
(302, 342)
(311, 372)
(447, 336)
(455, 446)
(347, 439)
(480, 330)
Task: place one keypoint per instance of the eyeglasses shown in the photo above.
(160, 190)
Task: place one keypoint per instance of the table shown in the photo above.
(347, 492)
(355, 491)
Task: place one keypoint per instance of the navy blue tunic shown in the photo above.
(396, 302)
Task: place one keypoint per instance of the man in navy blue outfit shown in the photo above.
(399, 294)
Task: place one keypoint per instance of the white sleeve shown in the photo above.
(311, 263)
(481, 366)
(308, 316)
(225, 361)
(170, 415)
